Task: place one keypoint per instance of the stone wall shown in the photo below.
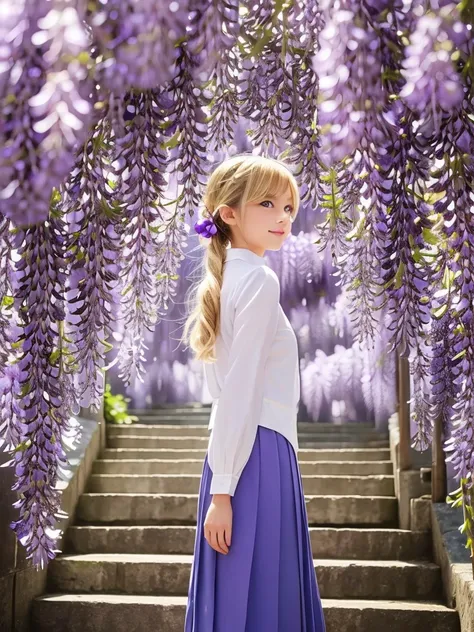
(20, 581)
(455, 562)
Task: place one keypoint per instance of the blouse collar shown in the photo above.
(246, 255)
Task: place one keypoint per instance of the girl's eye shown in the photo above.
(288, 206)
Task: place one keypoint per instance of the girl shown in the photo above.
(253, 565)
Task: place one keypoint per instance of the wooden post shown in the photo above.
(468, 499)
(439, 483)
(403, 383)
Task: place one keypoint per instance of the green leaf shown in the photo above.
(399, 275)
(173, 141)
(430, 237)
(54, 356)
(431, 197)
(439, 313)
(459, 355)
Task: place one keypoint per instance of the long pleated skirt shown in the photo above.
(267, 581)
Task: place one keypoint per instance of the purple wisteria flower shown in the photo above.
(432, 81)
(46, 107)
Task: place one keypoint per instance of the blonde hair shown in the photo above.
(241, 179)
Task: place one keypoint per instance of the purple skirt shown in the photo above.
(267, 581)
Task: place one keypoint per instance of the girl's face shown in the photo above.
(264, 225)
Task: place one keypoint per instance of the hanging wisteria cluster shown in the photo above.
(113, 113)
(405, 245)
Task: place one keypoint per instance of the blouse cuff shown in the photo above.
(223, 484)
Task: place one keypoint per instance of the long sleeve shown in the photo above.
(240, 400)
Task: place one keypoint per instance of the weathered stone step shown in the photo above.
(189, 484)
(171, 410)
(198, 430)
(147, 414)
(166, 406)
(168, 418)
(194, 466)
(326, 542)
(182, 508)
(326, 454)
(170, 574)
(183, 442)
(335, 444)
(180, 418)
(137, 613)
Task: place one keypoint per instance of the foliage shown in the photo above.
(116, 408)
(463, 497)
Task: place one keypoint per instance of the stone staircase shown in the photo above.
(127, 559)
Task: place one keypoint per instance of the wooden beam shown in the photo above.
(403, 384)
(439, 482)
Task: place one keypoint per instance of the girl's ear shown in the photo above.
(228, 215)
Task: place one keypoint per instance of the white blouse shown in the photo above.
(255, 380)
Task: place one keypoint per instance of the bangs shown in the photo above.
(246, 178)
(271, 179)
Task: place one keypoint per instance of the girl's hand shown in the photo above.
(218, 523)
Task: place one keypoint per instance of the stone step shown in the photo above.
(326, 542)
(202, 417)
(181, 509)
(320, 454)
(205, 409)
(198, 430)
(194, 466)
(180, 419)
(189, 484)
(335, 444)
(173, 406)
(170, 574)
(137, 613)
(192, 443)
